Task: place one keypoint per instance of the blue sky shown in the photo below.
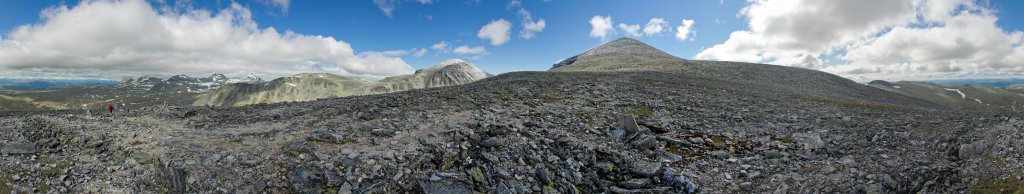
(414, 25)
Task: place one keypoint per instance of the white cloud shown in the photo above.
(441, 47)
(685, 30)
(127, 38)
(876, 38)
(630, 30)
(497, 32)
(655, 26)
(386, 6)
(419, 52)
(530, 27)
(601, 26)
(514, 4)
(425, 1)
(283, 4)
(467, 50)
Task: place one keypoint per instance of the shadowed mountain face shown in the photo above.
(307, 87)
(964, 97)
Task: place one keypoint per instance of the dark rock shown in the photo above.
(645, 169)
(383, 132)
(644, 141)
(635, 183)
(809, 141)
(333, 179)
(345, 188)
(252, 162)
(668, 156)
(444, 187)
(328, 137)
(298, 147)
(721, 154)
(655, 128)
(306, 179)
(490, 157)
(21, 147)
(971, 150)
(492, 142)
(678, 181)
(746, 186)
(617, 133)
(696, 140)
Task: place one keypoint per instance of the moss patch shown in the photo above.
(994, 185)
(552, 100)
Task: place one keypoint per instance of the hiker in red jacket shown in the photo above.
(110, 107)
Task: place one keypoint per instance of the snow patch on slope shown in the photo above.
(962, 95)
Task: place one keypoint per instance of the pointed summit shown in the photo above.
(447, 73)
(619, 54)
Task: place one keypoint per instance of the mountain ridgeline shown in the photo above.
(629, 55)
(313, 86)
(964, 97)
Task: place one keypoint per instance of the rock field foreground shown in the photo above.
(633, 132)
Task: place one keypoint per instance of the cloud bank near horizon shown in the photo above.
(114, 39)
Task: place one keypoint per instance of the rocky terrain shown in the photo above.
(308, 87)
(686, 129)
(963, 97)
(1019, 88)
(132, 93)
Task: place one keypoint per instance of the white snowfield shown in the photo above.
(962, 95)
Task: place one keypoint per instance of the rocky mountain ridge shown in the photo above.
(307, 87)
(963, 97)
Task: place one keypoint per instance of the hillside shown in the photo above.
(447, 73)
(301, 87)
(964, 97)
(629, 55)
(307, 87)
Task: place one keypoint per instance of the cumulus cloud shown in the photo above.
(113, 39)
(282, 4)
(441, 47)
(497, 32)
(655, 26)
(630, 30)
(419, 52)
(467, 50)
(530, 26)
(386, 6)
(425, 1)
(601, 26)
(685, 31)
(884, 38)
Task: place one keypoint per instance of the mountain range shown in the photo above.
(313, 86)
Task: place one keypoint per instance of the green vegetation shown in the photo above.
(551, 100)
(998, 185)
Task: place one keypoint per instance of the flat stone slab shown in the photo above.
(20, 147)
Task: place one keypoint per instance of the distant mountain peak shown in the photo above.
(618, 54)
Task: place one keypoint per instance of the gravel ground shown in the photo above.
(527, 132)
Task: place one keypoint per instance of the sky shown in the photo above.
(372, 39)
